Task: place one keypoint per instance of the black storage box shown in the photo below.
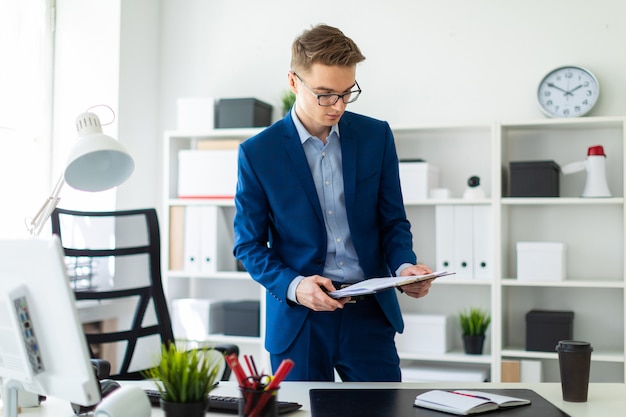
(242, 112)
(242, 318)
(544, 329)
(534, 179)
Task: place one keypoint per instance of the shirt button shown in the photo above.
(338, 240)
(330, 212)
(327, 182)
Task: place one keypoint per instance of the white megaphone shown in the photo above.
(595, 165)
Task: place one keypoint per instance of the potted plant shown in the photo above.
(287, 99)
(184, 379)
(474, 323)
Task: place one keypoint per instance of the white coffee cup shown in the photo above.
(126, 401)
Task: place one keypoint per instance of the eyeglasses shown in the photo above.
(331, 99)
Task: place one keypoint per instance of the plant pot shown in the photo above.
(198, 409)
(473, 344)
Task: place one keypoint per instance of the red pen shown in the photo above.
(235, 366)
(282, 371)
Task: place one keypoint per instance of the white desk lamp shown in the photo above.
(96, 162)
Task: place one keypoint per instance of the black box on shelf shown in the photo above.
(544, 329)
(534, 179)
(242, 318)
(243, 112)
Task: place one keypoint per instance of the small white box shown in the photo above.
(195, 318)
(425, 333)
(417, 179)
(540, 261)
(207, 173)
(195, 114)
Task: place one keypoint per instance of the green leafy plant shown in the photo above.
(287, 99)
(185, 376)
(474, 322)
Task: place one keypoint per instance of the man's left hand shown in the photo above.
(418, 289)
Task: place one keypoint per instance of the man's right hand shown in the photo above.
(311, 293)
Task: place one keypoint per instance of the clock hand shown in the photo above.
(574, 89)
(558, 88)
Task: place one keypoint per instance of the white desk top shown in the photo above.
(605, 399)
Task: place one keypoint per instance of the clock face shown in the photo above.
(568, 92)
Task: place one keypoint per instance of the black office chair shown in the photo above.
(114, 257)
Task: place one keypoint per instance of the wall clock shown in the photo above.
(569, 91)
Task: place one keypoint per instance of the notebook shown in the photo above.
(333, 402)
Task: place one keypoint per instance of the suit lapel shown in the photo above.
(300, 165)
(349, 145)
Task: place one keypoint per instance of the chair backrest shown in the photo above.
(114, 262)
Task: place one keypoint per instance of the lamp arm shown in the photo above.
(35, 224)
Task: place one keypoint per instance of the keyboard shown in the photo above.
(226, 404)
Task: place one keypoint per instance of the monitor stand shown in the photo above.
(11, 395)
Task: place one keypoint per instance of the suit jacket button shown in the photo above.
(318, 263)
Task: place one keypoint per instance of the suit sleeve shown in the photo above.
(251, 226)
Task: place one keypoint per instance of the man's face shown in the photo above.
(321, 79)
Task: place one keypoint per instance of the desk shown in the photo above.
(605, 399)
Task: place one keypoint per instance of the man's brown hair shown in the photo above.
(323, 44)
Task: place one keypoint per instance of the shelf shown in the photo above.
(453, 356)
(221, 338)
(543, 201)
(599, 356)
(226, 275)
(592, 229)
(220, 202)
(559, 123)
(214, 134)
(451, 201)
(512, 282)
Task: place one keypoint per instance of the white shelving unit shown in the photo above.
(593, 230)
(226, 283)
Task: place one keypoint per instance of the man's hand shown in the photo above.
(418, 289)
(311, 293)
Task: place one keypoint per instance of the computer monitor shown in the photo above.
(43, 349)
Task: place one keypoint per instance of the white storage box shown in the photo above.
(417, 179)
(425, 333)
(194, 318)
(207, 173)
(540, 261)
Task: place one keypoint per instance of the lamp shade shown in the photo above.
(96, 162)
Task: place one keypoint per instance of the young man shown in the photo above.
(319, 206)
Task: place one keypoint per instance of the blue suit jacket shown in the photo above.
(279, 228)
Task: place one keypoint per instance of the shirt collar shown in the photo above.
(303, 133)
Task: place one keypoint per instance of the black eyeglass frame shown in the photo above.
(337, 96)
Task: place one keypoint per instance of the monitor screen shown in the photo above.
(42, 345)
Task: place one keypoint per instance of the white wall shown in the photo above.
(428, 61)
(139, 124)
(107, 52)
(87, 38)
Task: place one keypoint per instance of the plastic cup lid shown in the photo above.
(573, 346)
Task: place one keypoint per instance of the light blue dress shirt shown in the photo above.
(342, 263)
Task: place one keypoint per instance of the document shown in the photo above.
(466, 402)
(374, 285)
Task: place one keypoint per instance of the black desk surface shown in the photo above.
(337, 402)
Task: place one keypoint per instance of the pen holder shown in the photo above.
(258, 402)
